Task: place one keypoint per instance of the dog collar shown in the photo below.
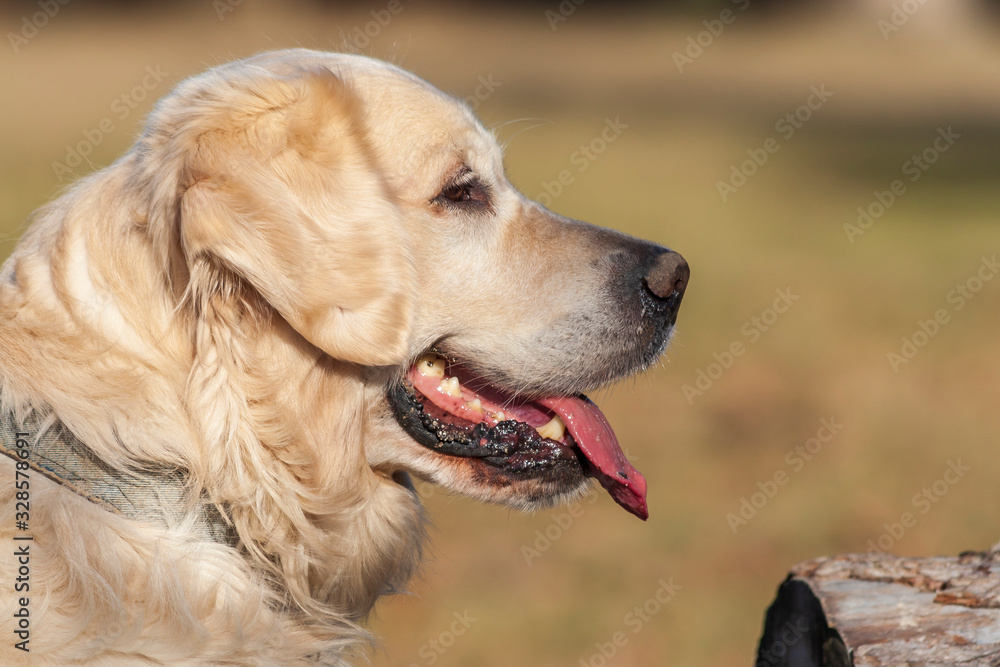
(154, 494)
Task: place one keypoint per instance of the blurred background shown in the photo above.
(830, 172)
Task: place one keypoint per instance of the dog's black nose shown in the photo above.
(668, 276)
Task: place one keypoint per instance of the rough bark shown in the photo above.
(882, 610)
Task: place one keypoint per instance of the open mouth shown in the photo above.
(450, 410)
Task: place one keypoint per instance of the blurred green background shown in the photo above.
(885, 82)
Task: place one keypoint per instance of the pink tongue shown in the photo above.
(598, 443)
(589, 428)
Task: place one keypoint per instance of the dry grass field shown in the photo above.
(779, 427)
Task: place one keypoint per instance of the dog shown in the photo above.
(225, 357)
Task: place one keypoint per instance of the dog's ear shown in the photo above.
(292, 202)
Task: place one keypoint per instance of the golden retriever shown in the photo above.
(223, 357)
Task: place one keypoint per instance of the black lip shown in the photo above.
(513, 446)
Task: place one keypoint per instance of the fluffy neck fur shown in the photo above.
(149, 361)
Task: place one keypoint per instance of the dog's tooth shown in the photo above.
(475, 404)
(431, 365)
(500, 416)
(451, 387)
(554, 430)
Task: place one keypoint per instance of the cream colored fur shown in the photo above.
(232, 297)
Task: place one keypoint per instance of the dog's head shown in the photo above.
(372, 213)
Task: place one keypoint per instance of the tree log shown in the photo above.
(882, 610)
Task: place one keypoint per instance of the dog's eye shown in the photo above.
(457, 193)
(471, 192)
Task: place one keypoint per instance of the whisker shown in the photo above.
(505, 143)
